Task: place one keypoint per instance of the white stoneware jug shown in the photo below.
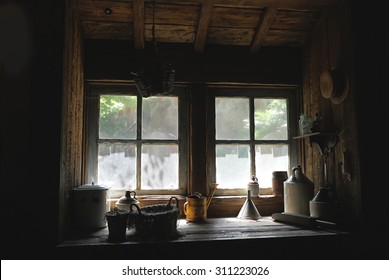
(298, 191)
(253, 187)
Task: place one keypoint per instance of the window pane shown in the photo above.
(117, 165)
(232, 118)
(117, 117)
(270, 119)
(160, 118)
(232, 165)
(269, 158)
(159, 166)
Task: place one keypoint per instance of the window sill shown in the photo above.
(221, 206)
(215, 238)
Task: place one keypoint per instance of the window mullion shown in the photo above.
(93, 136)
(139, 143)
(252, 136)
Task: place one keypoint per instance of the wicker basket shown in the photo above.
(157, 221)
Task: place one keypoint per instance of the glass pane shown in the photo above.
(270, 119)
(117, 165)
(159, 166)
(232, 118)
(117, 117)
(269, 158)
(160, 118)
(232, 165)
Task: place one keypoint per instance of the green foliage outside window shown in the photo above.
(117, 116)
(271, 120)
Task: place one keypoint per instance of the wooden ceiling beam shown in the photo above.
(138, 7)
(286, 4)
(206, 21)
(263, 29)
(202, 27)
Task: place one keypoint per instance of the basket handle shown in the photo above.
(136, 207)
(173, 197)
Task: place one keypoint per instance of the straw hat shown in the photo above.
(334, 85)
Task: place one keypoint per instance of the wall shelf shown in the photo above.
(324, 141)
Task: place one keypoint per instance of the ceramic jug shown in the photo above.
(324, 205)
(298, 191)
(305, 124)
(253, 187)
(125, 201)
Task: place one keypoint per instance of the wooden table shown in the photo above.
(217, 238)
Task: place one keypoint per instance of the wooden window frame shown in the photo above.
(92, 92)
(218, 90)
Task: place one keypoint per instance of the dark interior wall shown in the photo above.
(105, 59)
(31, 36)
(371, 40)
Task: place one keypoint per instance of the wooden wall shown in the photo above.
(349, 38)
(72, 117)
(329, 49)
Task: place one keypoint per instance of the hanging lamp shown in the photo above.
(157, 76)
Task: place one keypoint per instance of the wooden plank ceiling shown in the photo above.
(251, 23)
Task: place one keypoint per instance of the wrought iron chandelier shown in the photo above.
(157, 76)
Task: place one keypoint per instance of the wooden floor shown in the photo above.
(219, 238)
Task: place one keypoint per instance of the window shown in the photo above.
(249, 136)
(136, 143)
(142, 144)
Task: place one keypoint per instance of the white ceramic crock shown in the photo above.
(90, 205)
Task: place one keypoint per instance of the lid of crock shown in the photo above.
(92, 187)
